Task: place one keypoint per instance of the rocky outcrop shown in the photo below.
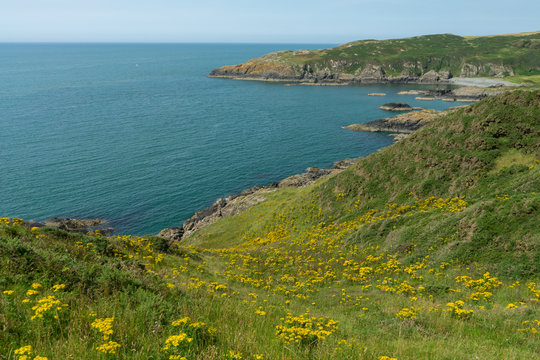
(223, 207)
(79, 225)
(396, 106)
(260, 70)
(488, 69)
(430, 77)
(307, 178)
(372, 73)
(465, 94)
(172, 234)
(403, 123)
(412, 92)
(235, 204)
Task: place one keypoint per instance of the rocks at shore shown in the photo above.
(464, 94)
(403, 123)
(412, 92)
(172, 234)
(304, 179)
(226, 207)
(223, 207)
(76, 225)
(235, 204)
(396, 106)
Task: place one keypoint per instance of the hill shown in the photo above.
(427, 249)
(423, 59)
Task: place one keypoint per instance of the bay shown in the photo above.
(136, 134)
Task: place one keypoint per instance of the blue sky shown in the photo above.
(278, 21)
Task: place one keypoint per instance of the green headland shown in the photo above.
(422, 59)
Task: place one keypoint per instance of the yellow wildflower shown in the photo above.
(179, 322)
(59, 287)
(24, 350)
(104, 326)
(109, 348)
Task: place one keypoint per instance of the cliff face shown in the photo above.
(425, 59)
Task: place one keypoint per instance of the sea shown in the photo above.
(138, 135)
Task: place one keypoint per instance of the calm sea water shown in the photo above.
(138, 135)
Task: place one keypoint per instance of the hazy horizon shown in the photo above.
(244, 22)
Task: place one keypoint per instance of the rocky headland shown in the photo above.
(401, 124)
(265, 69)
(408, 60)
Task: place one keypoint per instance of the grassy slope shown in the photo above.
(457, 198)
(430, 52)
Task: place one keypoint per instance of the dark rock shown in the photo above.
(305, 179)
(32, 223)
(172, 234)
(403, 123)
(345, 163)
(79, 225)
(396, 106)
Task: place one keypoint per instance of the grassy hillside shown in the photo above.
(400, 60)
(428, 249)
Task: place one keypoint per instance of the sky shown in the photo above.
(253, 21)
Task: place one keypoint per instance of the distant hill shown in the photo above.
(423, 59)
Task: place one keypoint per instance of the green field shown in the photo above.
(427, 249)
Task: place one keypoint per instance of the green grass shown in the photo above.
(416, 225)
(525, 79)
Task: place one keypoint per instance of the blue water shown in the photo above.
(138, 135)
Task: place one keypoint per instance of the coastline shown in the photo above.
(236, 203)
(479, 82)
(330, 81)
(399, 127)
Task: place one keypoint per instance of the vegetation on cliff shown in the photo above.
(429, 59)
(429, 248)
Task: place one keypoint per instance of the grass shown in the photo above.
(525, 79)
(428, 249)
(513, 157)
